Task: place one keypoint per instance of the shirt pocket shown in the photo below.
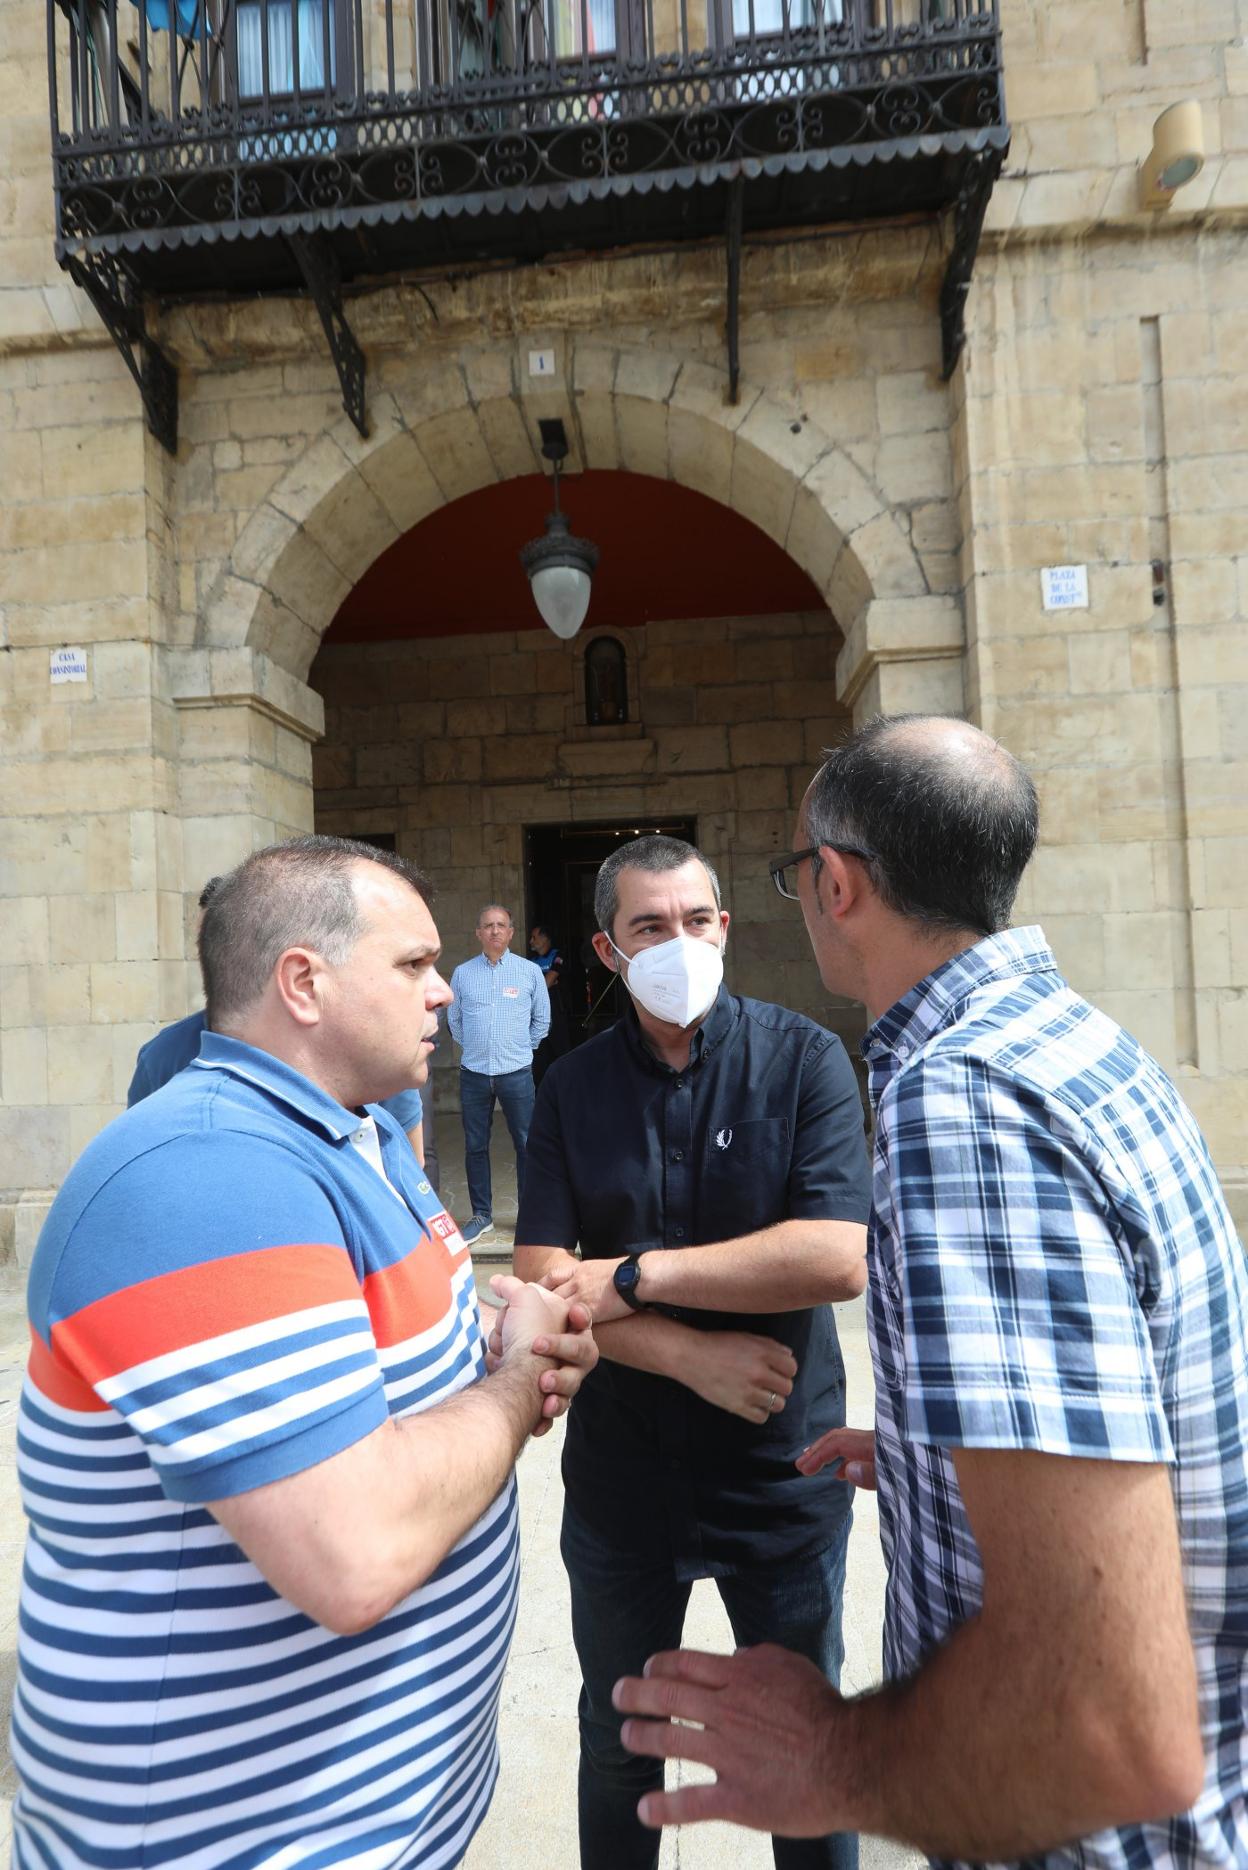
(745, 1177)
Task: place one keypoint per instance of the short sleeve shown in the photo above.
(406, 1107)
(1020, 1323)
(207, 1295)
(829, 1178)
(141, 1084)
(548, 1216)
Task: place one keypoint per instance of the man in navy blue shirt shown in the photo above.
(173, 1047)
(1059, 1323)
(708, 1156)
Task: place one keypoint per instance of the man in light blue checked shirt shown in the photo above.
(1059, 1328)
(499, 1017)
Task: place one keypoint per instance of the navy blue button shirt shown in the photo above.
(163, 1057)
(764, 1124)
(173, 1048)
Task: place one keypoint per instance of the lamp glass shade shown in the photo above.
(1182, 170)
(561, 593)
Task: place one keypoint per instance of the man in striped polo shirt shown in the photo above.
(499, 1016)
(271, 1570)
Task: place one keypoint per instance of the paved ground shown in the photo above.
(533, 1818)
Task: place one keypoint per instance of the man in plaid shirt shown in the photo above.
(1059, 1322)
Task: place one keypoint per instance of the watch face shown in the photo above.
(626, 1275)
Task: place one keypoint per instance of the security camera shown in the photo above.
(1177, 156)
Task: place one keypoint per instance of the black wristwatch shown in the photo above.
(625, 1279)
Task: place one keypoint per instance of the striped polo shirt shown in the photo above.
(500, 1013)
(227, 1292)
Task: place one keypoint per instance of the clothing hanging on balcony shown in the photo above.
(158, 16)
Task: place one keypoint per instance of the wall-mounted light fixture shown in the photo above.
(560, 567)
(1177, 156)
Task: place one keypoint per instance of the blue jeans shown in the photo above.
(623, 1610)
(477, 1091)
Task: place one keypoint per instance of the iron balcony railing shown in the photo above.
(180, 121)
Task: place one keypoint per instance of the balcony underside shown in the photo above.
(853, 110)
(910, 176)
(211, 213)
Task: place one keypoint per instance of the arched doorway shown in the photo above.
(462, 733)
(445, 432)
(456, 723)
(345, 500)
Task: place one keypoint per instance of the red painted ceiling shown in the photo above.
(665, 552)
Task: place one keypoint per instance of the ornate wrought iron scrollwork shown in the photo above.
(787, 134)
(735, 240)
(115, 296)
(329, 185)
(903, 110)
(319, 266)
(968, 224)
(705, 136)
(148, 202)
(509, 162)
(532, 132)
(615, 151)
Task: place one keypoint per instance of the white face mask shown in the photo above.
(675, 980)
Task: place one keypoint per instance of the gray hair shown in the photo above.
(501, 907)
(300, 894)
(653, 854)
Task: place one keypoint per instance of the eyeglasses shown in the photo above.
(783, 870)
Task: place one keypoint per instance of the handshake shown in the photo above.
(532, 1323)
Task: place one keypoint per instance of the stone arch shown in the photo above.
(464, 423)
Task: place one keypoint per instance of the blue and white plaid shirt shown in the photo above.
(1053, 1268)
(500, 1013)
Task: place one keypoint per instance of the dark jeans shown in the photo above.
(623, 1610)
(433, 1170)
(477, 1091)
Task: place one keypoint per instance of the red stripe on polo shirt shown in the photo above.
(413, 1295)
(198, 1303)
(61, 1386)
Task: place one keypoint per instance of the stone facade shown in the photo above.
(732, 714)
(1100, 417)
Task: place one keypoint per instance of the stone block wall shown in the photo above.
(1085, 82)
(841, 333)
(456, 744)
(1123, 452)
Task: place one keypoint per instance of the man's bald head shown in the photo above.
(944, 737)
(949, 816)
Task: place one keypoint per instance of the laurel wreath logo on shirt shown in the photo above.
(723, 1138)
